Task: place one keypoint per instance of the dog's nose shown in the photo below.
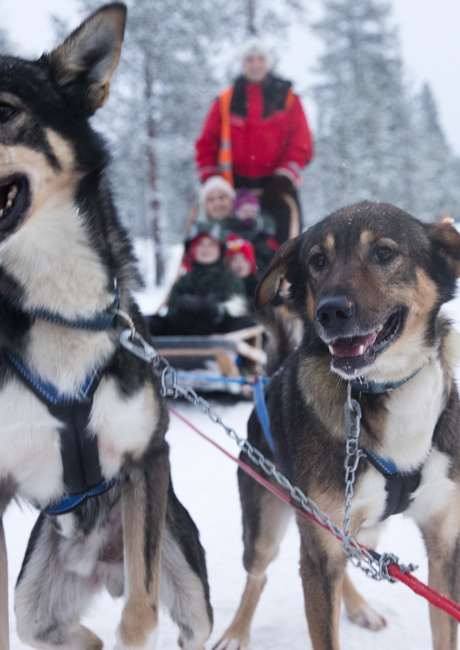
(334, 311)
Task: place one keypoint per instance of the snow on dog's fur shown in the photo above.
(63, 256)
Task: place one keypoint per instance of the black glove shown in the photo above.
(201, 306)
(276, 186)
(193, 304)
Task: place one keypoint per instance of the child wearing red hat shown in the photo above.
(242, 260)
(209, 298)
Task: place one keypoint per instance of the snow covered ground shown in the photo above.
(205, 481)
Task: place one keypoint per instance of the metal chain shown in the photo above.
(373, 564)
(352, 412)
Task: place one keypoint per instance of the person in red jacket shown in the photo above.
(256, 135)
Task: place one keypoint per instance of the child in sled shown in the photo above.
(241, 259)
(209, 298)
(248, 222)
(216, 198)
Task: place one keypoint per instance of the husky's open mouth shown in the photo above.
(356, 352)
(14, 202)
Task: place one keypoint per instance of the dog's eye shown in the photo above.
(7, 112)
(384, 254)
(319, 261)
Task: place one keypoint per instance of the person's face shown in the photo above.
(255, 67)
(240, 265)
(218, 205)
(247, 211)
(207, 251)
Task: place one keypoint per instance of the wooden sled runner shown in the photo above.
(207, 363)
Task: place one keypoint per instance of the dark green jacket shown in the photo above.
(196, 304)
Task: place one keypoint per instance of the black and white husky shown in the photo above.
(82, 422)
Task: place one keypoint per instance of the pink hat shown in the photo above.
(245, 196)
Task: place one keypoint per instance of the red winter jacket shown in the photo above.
(266, 136)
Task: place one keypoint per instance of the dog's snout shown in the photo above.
(334, 311)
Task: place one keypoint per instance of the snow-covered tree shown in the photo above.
(437, 176)
(368, 143)
(362, 113)
(5, 44)
(262, 16)
(3, 41)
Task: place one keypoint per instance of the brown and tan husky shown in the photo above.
(368, 283)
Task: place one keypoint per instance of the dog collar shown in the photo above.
(99, 322)
(361, 385)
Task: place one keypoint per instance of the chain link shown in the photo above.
(352, 412)
(373, 564)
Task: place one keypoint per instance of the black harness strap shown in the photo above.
(79, 449)
(398, 485)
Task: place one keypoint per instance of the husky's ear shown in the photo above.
(446, 243)
(83, 64)
(270, 281)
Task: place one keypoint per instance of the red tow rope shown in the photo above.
(434, 597)
(431, 595)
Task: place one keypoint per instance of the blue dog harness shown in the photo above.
(79, 451)
(399, 485)
(99, 322)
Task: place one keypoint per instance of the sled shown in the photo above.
(218, 362)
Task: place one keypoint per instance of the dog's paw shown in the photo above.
(188, 644)
(149, 644)
(138, 629)
(368, 618)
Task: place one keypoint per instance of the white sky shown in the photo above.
(429, 35)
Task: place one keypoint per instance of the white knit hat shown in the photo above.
(215, 183)
(254, 45)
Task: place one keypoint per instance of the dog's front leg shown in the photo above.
(443, 549)
(322, 568)
(4, 627)
(144, 507)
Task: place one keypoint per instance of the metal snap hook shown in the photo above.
(126, 317)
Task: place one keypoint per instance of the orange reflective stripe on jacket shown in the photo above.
(224, 158)
(289, 101)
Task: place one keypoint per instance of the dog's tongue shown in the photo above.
(352, 347)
